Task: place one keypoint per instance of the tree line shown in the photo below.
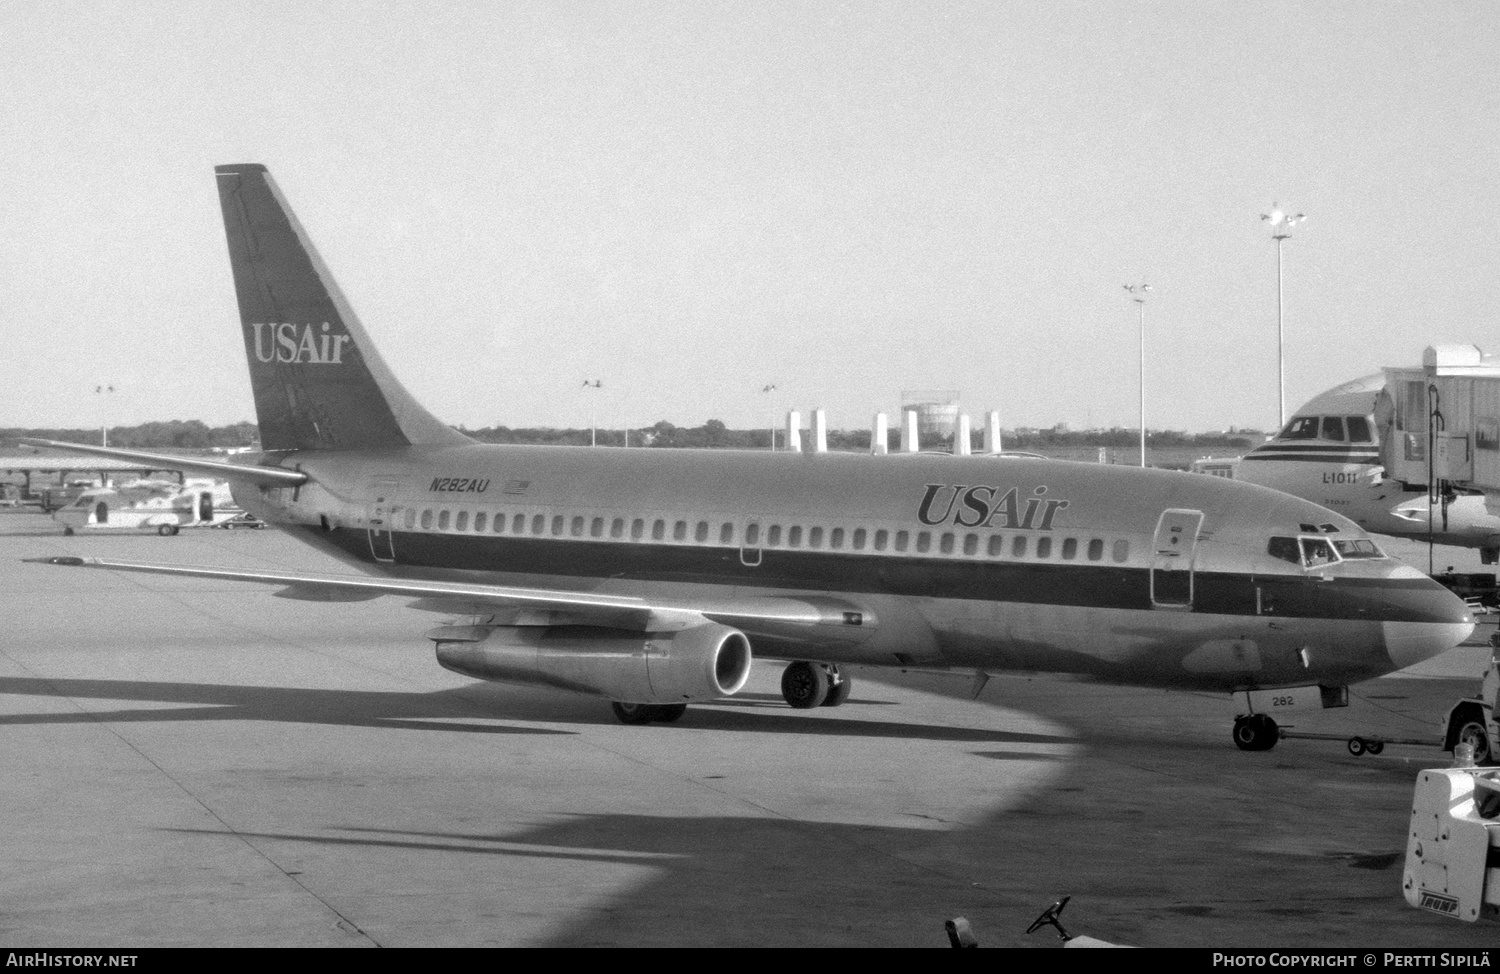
(195, 435)
(188, 434)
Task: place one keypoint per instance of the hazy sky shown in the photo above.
(691, 200)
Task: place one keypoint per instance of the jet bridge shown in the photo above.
(1440, 426)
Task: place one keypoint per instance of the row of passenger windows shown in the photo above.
(756, 535)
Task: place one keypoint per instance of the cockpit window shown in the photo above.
(1358, 548)
(1286, 549)
(1317, 551)
(1301, 428)
(1333, 429)
(1359, 429)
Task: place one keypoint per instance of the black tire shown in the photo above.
(670, 713)
(166, 530)
(804, 685)
(1356, 746)
(1374, 747)
(634, 713)
(1473, 732)
(1256, 732)
(68, 531)
(838, 693)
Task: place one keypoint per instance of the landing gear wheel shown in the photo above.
(634, 713)
(804, 685)
(1375, 747)
(1257, 732)
(670, 713)
(166, 530)
(1357, 747)
(1474, 734)
(839, 692)
(68, 531)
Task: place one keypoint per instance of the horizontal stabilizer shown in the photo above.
(268, 476)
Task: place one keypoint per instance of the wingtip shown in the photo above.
(70, 560)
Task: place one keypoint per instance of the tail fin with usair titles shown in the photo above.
(318, 381)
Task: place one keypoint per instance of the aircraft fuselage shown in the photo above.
(1134, 576)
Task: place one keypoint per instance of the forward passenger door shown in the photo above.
(1173, 549)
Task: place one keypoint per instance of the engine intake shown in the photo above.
(700, 663)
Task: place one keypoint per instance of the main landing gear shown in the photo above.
(645, 713)
(807, 685)
(1256, 732)
(804, 685)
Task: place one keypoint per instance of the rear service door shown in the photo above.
(383, 514)
(1173, 548)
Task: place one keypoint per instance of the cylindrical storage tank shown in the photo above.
(936, 420)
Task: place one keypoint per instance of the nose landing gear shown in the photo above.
(1255, 732)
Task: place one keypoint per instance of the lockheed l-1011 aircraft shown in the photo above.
(1334, 452)
(646, 576)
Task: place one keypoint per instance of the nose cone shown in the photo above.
(1436, 622)
(1409, 643)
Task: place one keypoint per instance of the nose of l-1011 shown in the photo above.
(1436, 620)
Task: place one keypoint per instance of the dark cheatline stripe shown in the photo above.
(1359, 458)
(1079, 584)
(1321, 447)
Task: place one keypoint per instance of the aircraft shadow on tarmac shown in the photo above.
(775, 700)
(744, 712)
(421, 711)
(1201, 880)
(720, 881)
(354, 708)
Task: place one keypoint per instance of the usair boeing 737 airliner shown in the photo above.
(647, 576)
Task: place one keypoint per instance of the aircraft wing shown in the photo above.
(815, 617)
(269, 476)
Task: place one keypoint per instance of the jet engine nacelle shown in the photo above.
(700, 663)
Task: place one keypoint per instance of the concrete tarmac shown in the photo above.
(187, 762)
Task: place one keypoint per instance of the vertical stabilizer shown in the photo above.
(319, 383)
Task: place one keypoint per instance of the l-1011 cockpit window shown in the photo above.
(1301, 428)
(1334, 429)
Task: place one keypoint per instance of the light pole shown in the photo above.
(102, 391)
(767, 389)
(1281, 228)
(593, 412)
(1138, 295)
